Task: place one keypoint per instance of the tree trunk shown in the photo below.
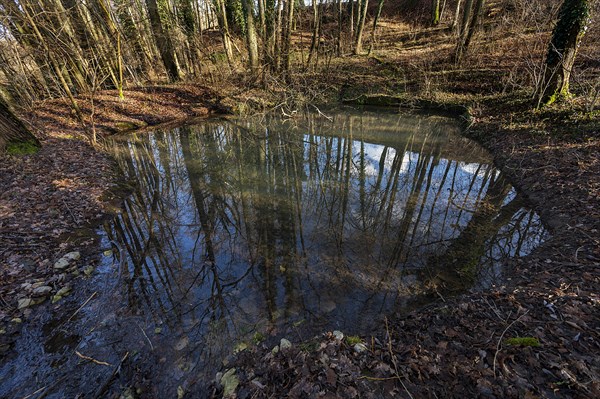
(163, 42)
(314, 43)
(287, 37)
(467, 28)
(435, 12)
(456, 15)
(362, 16)
(573, 19)
(12, 130)
(251, 39)
(375, 20)
(221, 12)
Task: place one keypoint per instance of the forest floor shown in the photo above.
(456, 347)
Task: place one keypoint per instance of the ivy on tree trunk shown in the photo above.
(573, 18)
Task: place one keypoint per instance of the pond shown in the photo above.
(242, 230)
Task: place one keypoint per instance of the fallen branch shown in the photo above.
(91, 359)
(502, 336)
(82, 306)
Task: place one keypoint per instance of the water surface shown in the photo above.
(244, 230)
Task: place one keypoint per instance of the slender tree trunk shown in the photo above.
(340, 28)
(287, 37)
(375, 20)
(12, 130)
(361, 26)
(221, 12)
(454, 24)
(468, 26)
(473, 24)
(314, 43)
(435, 12)
(163, 42)
(573, 20)
(251, 39)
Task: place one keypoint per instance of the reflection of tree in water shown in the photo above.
(232, 225)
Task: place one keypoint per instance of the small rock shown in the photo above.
(25, 302)
(88, 270)
(284, 344)
(182, 343)
(242, 346)
(338, 335)
(56, 298)
(17, 320)
(61, 264)
(26, 286)
(72, 256)
(275, 349)
(360, 347)
(42, 290)
(64, 291)
(230, 382)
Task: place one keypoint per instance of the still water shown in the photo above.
(238, 231)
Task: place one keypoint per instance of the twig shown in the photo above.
(91, 359)
(45, 390)
(364, 377)
(502, 336)
(71, 213)
(116, 370)
(82, 306)
(329, 118)
(393, 357)
(144, 332)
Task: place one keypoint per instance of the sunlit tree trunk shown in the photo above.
(469, 24)
(362, 16)
(455, 24)
(288, 26)
(251, 39)
(221, 12)
(573, 20)
(435, 12)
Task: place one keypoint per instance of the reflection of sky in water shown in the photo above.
(236, 229)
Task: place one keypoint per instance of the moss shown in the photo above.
(523, 341)
(22, 148)
(353, 340)
(257, 338)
